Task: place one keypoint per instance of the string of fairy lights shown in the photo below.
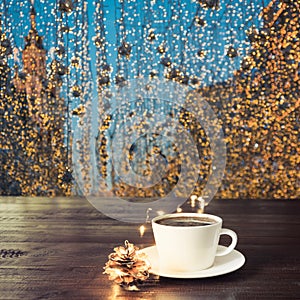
(93, 45)
(182, 33)
(168, 39)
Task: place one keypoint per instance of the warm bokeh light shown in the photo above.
(57, 59)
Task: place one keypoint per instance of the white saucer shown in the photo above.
(222, 265)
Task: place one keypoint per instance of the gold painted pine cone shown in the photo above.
(127, 266)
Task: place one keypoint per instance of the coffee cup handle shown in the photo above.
(227, 250)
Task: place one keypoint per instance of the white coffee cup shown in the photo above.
(188, 247)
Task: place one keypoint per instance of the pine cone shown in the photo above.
(126, 266)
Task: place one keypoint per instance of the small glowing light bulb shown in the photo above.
(193, 200)
(201, 205)
(142, 230)
(179, 209)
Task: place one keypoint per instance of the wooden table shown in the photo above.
(56, 249)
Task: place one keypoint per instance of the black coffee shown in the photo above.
(186, 221)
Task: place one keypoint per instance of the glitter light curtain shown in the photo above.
(242, 57)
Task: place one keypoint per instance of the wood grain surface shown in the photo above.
(55, 248)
